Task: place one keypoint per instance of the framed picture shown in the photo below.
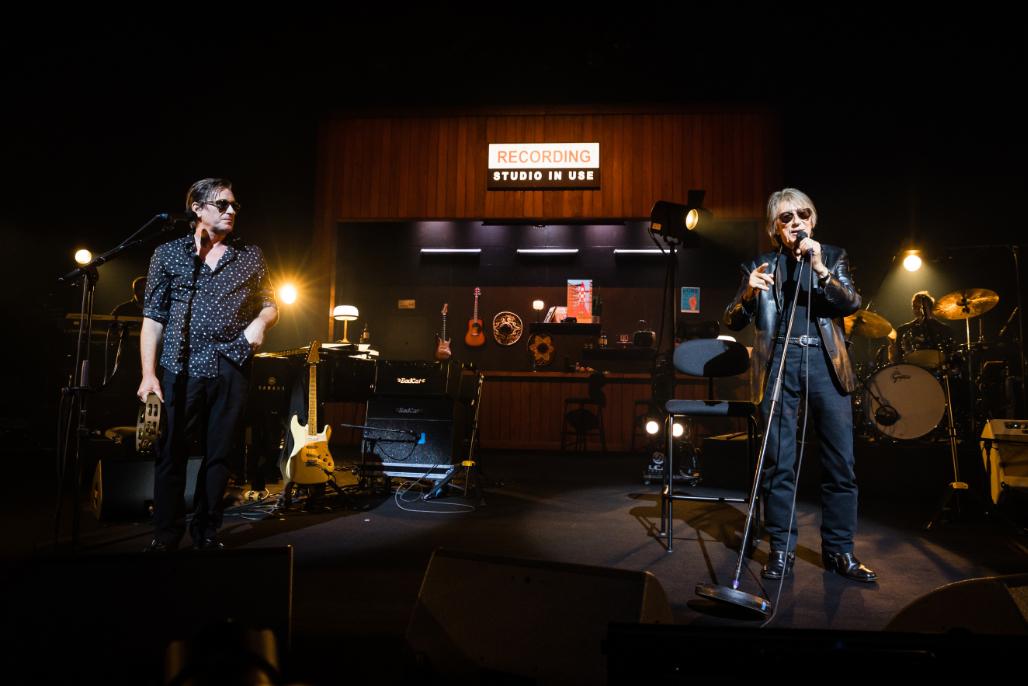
(690, 300)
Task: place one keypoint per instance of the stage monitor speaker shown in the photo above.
(990, 605)
(540, 622)
(414, 436)
(1004, 446)
(123, 487)
(109, 618)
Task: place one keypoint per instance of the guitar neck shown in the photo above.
(312, 401)
(444, 327)
(475, 315)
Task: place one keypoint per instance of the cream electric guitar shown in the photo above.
(310, 462)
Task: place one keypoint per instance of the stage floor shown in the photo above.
(358, 568)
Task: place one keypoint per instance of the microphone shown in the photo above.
(177, 217)
(800, 235)
(886, 415)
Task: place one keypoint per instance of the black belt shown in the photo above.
(802, 340)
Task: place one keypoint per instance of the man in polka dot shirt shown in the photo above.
(208, 303)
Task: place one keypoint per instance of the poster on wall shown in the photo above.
(580, 300)
(690, 300)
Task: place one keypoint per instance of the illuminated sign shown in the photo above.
(543, 165)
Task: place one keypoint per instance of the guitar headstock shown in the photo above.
(478, 291)
(446, 307)
(312, 356)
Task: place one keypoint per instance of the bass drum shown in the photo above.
(904, 401)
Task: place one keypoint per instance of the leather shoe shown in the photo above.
(159, 546)
(210, 543)
(779, 564)
(844, 564)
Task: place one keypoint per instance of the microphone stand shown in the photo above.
(76, 420)
(733, 595)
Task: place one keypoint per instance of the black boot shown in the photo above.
(844, 564)
(779, 564)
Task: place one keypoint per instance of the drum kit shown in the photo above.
(905, 395)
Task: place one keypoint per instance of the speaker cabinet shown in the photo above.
(525, 620)
(1004, 445)
(123, 487)
(414, 436)
(989, 605)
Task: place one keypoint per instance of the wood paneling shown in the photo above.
(380, 166)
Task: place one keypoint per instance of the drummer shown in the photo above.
(924, 341)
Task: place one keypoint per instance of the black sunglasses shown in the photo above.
(223, 205)
(804, 214)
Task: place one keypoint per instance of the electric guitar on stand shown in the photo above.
(474, 337)
(442, 348)
(310, 461)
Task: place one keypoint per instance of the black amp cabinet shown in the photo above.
(418, 419)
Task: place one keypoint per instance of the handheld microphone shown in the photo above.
(800, 236)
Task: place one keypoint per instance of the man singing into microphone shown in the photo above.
(208, 302)
(814, 277)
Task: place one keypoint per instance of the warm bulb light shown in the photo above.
(677, 430)
(287, 294)
(83, 256)
(652, 427)
(912, 262)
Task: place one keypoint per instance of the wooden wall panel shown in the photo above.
(386, 167)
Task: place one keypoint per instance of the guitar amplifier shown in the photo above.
(1004, 445)
(415, 436)
(414, 378)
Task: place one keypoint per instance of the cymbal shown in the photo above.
(965, 304)
(868, 324)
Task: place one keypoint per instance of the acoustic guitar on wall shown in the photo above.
(442, 348)
(474, 338)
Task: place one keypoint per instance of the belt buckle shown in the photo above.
(806, 340)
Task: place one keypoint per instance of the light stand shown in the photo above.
(76, 419)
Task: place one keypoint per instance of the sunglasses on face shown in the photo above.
(223, 205)
(804, 214)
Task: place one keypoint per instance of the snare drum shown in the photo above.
(904, 401)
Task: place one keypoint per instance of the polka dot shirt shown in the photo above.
(205, 311)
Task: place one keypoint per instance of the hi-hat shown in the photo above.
(965, 303)
(868, 324)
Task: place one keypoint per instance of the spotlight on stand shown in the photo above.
(675, 223)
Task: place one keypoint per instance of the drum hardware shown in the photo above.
(967, 304)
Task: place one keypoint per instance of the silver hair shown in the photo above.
(798, 198)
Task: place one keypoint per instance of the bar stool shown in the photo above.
(582, 422)
(712, 358)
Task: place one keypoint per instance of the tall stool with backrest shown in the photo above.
(580, 421)
(711, 358)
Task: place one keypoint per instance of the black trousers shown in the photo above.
(831, 417)
(200, 411)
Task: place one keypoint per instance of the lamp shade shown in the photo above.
(346, 313)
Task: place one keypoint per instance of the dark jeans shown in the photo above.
(831, 416)
(207, 411)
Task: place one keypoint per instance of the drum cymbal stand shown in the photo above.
(956, 489)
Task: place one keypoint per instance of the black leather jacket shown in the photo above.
(832, 300)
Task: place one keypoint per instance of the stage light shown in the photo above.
(912, 262)
(675, 222)
(652, 427)
(83, 256)
(287, 294)
(677, 430)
